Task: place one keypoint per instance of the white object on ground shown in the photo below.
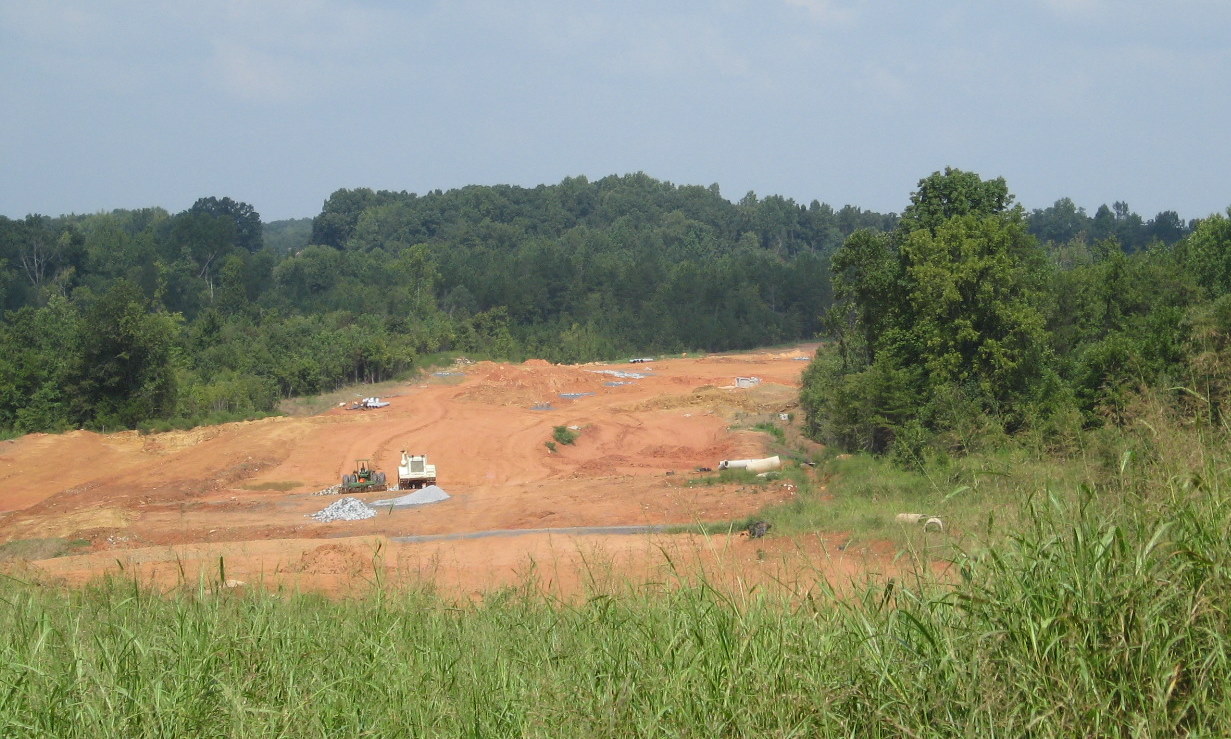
(930, 523)
(752, 465)
(344, 509)
(429, 494)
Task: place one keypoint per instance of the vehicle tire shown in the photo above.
(379, 478)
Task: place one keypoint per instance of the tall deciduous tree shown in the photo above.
(975, 290)
(953, 193)
(124, 373)
(949, 306)
(247, 233)
(1207, 253)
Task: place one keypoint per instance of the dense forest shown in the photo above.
(144, 318)
(971, 321)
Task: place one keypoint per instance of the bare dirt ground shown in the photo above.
(233, 501)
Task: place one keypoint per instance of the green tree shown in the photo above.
(203, 240)
(247, 232)
(1061, 223)
(975, 290)
(953, 193)
(1207, 253)
(947, 307)
(46, 253)
(124, 372)
(867, 275)
(41, 346)
(335, 225)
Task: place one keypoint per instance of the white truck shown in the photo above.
(414, 472)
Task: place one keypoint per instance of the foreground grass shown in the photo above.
(1103, 612)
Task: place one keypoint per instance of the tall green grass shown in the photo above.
(1082, 622)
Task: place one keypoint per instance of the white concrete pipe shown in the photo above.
(752, 465)
(769, 464)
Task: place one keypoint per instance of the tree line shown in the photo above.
(150, 318)
(961, 326)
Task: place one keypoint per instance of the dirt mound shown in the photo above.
(333, 559)
(527, 384)
(759, 399)
(171, 441)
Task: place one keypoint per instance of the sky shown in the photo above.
(278, 103)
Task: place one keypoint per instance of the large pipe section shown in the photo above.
(756, 466)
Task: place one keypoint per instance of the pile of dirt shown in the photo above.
(333, 559)
(760, 399)
(535, 381)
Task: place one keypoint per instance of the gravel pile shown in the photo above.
(331, 490)
(429, 494)
(344, 509)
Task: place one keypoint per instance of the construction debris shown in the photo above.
(757, 529)
(930, 523)
(344, 509)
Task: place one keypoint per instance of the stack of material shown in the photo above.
(345, 509)
(429, 494)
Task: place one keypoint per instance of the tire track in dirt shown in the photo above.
(411, 413)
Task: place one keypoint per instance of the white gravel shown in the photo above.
(344, 509)
(429, 494)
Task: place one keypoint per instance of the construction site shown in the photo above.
(453, 478)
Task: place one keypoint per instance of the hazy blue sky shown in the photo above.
(133, 103)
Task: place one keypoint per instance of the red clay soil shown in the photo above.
(235, 500)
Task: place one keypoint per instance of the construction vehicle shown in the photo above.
(414, 472)
(364, 478)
